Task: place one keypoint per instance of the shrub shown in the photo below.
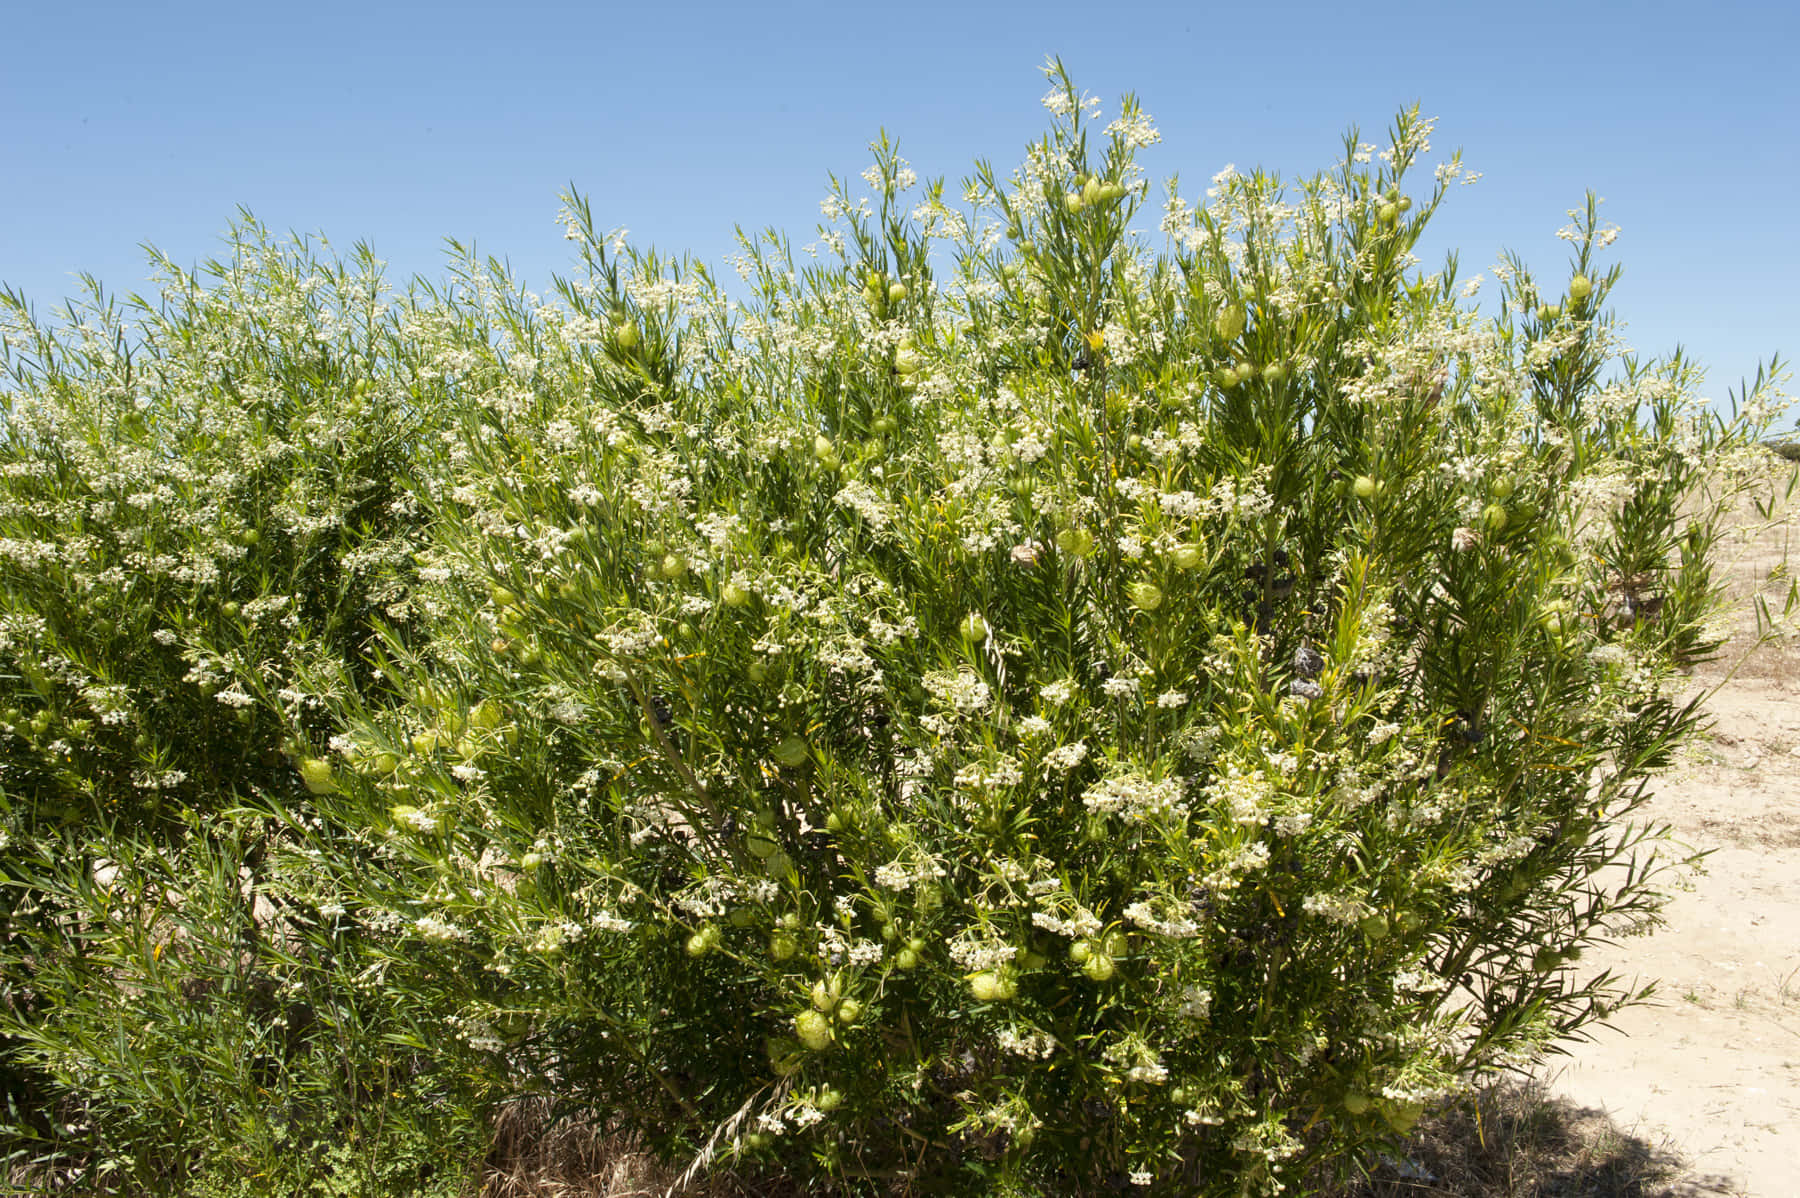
(198, 495)
(1000, 711)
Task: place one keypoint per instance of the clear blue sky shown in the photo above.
(400, 124)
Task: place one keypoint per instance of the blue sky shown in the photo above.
(401, 124)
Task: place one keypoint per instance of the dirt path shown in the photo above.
(1713, 1070)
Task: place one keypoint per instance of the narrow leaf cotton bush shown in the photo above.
(993, 709)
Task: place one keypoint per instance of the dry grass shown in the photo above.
(1511, 1140)
(538, 1155)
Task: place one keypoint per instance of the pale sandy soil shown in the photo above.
(1712, 1071)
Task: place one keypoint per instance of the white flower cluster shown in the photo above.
(990, 775)
(438, 931)
(901, 874)
(960, 690)
(1035, 1044)
(1338, 908)
(1245, 796)
(1066, 757)
(974, 953)
(1175, 924)
(1135, 797)
(1078, 924)
(1136, 1060)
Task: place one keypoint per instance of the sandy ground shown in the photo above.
(1712, 1071)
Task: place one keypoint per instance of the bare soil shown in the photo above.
(1713, 1069)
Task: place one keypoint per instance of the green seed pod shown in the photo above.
(1076, 542)
(316, 773)
(813, 1030)
(993, 986)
